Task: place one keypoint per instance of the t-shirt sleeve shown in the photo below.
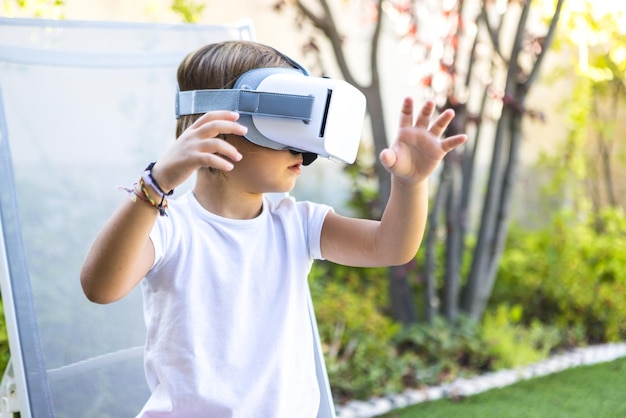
(315, 215)
(159, 237)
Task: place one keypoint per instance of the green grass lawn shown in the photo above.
(590, 391)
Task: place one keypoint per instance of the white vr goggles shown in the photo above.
(285, 108)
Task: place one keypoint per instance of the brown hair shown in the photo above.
(219, 65)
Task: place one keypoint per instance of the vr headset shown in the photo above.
(285, 108)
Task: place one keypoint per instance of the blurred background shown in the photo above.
(523, 255)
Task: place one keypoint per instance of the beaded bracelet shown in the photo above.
(162, 206)
(144, 196)
(147, 179)
(150, 181)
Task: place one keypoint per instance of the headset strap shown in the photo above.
(247, 102)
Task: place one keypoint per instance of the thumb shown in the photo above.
(388, 158)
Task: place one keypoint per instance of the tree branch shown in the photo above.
(514, 66)
(375, 77)
(493, 35)
(326, 24)
(546, 45)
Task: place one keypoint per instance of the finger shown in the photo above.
(452, 142)
(423, 118)
(221, 147)
(211, 129)
(215, 115)
(215, 161)
(406, 113)
(441, 123)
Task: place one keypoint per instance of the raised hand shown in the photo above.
(418, 148)
(200, 146)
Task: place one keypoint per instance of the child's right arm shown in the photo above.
(122, 252)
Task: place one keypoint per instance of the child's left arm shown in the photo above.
(395, 239)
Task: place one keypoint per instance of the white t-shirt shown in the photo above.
(225, 305)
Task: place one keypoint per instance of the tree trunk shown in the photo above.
(503, 215)
(495, 216)
(431, 299)
(484, 249)
(454, 190)
(400, 293)
(401, 300)
(452, 276)
(379, 133)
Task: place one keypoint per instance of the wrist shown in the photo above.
(410, 183)
(156, 181)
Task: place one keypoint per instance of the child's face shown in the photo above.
(263, 170)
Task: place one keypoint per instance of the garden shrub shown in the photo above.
(442, 351)
(368, 354)
(356, 336)
(571, 274)
(5, 354)
(569, 277)
(512, 344)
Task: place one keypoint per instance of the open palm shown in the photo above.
(418, 149)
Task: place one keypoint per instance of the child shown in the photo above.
(224, 274)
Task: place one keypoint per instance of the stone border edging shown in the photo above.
(472, 386)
